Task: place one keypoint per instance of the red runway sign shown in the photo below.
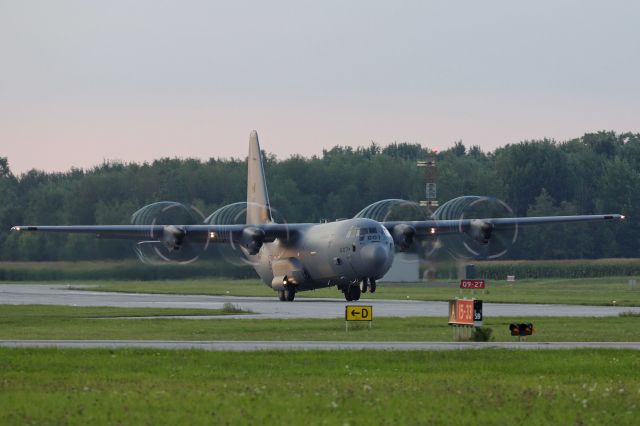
(472, 284)
(461, 312)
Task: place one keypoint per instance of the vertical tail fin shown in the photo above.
(258, 209)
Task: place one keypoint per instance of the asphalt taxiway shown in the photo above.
(270, 307)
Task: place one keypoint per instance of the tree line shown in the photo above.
(595, 173)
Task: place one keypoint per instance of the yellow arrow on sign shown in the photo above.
(358, 313)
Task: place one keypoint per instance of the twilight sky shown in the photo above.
(83, 81)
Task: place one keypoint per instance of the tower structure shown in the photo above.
(431, 179)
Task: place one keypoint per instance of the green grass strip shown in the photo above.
(54, 386)
(68, 322)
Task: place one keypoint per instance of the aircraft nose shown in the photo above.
(375, 258)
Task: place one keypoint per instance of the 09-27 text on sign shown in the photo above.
(472, 284)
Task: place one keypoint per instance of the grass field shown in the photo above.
(48, 313)
(53, 386)
(582, 291)
(68, 322)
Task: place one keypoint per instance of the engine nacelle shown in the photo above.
(480, 231)
(170, 244)
(173, 237)
(403, 235)
(252, 239)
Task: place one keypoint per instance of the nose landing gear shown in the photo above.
(288, 294)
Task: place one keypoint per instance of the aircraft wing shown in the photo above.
(481, 228)
(175, 235)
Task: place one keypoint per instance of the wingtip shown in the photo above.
(19, 228)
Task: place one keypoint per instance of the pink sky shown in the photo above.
(83, 82)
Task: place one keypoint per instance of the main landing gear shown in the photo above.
(353, 291)
(288, 294)
(368, 284)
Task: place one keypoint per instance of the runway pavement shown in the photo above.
(306, 345)
(270, 307)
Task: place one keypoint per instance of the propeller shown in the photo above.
(173, 245)
(480, 240)
(251, 240)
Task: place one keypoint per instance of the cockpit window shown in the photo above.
(367, 234)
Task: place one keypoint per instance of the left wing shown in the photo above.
(479, 229)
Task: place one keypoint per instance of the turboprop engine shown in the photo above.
(171, 245)
(480, 231)
(479, 239)
(397, 209)
(173, 237)
(403, 236)
(252, 239)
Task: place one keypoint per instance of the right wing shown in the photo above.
(479, 229)
(449, 226)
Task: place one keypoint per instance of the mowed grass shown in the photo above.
(577, 291)
(65, 386)
(20, 313)
(68, 322)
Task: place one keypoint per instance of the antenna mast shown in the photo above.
(431, 179)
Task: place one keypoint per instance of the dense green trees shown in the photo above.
(599, 172)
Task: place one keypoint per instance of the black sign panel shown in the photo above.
(477, 310)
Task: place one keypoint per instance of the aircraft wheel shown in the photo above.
(290, 292)
(282, 296)
(372, 285)
(347, 294)
(354, 292)
(365, 284)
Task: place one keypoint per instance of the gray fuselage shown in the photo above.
(321, 255)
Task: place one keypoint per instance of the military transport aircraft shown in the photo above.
(290, 257)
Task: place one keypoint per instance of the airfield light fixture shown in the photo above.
(522, 329)
(514, 329)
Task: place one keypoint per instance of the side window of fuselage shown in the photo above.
(352, 233)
